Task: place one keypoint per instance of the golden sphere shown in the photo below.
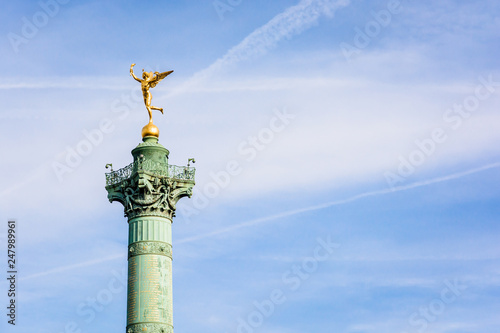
(150, 130)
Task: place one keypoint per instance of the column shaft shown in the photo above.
(149, 295)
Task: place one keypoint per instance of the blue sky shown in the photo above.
(346, 152)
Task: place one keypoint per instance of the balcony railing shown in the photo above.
(153, 168)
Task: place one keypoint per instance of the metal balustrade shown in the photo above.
(153, 168)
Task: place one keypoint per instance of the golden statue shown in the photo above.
(149, 80)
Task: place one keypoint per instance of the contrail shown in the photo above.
(286, 214)
(292, 21)
(32, 176)
(79, 82)
(340, 202)
(69, 267)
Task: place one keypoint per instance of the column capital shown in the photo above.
(150, 186)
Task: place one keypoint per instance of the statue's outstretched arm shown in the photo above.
(132, 73)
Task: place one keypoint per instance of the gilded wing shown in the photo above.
(159, 77)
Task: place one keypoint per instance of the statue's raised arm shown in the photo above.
(132, 73)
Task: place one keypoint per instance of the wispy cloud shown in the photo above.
(340, 202)
(33, 175)
(281, 215)
(73, 266)
(75, 82)
(292, 21)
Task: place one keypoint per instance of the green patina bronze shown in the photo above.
(149, 189)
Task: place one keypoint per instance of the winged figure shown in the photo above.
(149, 80)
